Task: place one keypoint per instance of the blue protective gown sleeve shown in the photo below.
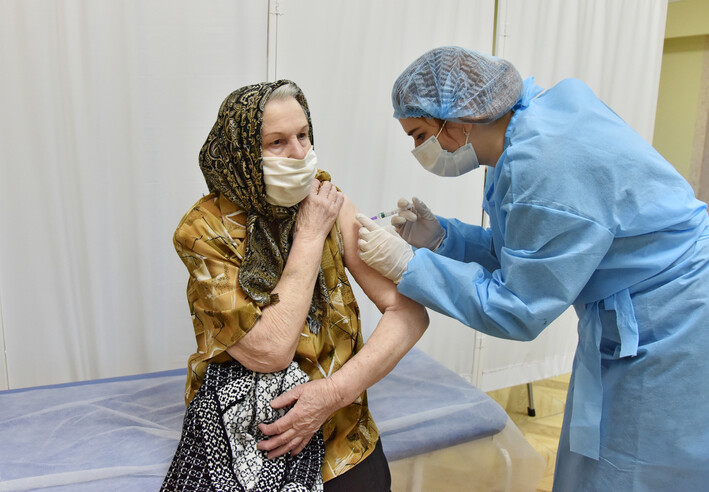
(468, 243)
(548, 257)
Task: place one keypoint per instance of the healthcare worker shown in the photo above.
(583, 212)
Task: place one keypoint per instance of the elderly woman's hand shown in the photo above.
(319, 210)
(314, 402)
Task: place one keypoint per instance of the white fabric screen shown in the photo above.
(346, 69)
(615, 46)
(105, 106)
(4, 380)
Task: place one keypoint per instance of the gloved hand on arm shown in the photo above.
(383, 250)
(417, 225)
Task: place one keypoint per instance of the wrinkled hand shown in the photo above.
(387, 253)
(319, 210)
(417, 225)
(314, 402)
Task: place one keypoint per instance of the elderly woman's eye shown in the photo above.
(301, 136)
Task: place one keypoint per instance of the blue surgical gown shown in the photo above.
(584, 212)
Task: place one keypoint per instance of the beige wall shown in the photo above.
(687, 18)
(683, 101)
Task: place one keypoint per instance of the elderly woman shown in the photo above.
(266, 252)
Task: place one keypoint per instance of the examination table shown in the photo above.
(438, 431)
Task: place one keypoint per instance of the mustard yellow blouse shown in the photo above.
(210, 242)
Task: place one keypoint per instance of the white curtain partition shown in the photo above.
(106, 104)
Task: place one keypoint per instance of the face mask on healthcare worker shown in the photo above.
(443, 163)
(288, 180)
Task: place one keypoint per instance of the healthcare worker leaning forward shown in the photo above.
(583, 212)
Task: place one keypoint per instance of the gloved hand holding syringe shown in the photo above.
(383, 215)
(415, 223)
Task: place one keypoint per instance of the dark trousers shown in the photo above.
(371, 475)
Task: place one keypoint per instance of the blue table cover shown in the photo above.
(120, 434)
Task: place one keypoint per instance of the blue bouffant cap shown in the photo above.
(456, 84)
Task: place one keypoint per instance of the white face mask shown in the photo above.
(288, 180)
(443, 163)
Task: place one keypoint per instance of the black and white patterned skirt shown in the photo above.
(217, 450)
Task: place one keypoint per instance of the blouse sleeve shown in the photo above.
(221, 312)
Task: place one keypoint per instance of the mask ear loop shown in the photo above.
(466, 137)
(439, 131)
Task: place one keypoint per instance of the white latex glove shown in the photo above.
(387, 253)
(417, 225)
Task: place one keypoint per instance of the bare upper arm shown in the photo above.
(378, 288)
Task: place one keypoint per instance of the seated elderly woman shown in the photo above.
(266, 252)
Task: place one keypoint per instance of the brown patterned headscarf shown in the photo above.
(231, 163)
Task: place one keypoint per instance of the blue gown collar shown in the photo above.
(529, 92)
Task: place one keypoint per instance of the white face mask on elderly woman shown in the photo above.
(288, 180)
(443, 163)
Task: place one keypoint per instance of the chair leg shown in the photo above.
(530, 409)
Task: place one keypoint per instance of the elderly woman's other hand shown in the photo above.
(319, 210)
(314, 402)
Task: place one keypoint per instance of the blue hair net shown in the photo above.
(452, 83)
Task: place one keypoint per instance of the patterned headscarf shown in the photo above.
(231, 163)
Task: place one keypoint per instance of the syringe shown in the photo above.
(382, 215)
